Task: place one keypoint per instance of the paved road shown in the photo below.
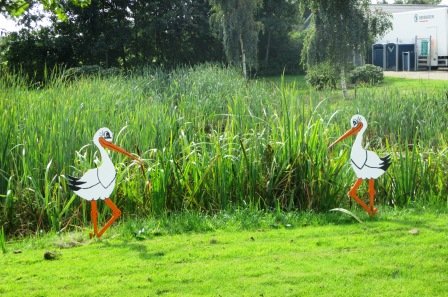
(434, 74)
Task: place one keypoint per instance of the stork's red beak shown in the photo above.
(350, 132)
(110, 145)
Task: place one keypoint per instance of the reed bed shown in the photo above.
(211, 141)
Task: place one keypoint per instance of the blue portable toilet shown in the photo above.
(391, 57)
(394, 56)
(379, 55)
(406, 57)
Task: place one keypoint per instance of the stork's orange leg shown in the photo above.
(372, 192)
(352, 193)
(94, 217)
(116, 213)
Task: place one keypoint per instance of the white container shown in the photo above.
(429, 26)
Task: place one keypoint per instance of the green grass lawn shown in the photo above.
(414, 83)
(330, 257)
(394, 82)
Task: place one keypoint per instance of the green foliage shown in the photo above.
(36, 55)
(14, 8)
(367, 74)
(19, 7)
(322, 76)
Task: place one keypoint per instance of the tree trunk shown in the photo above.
(125, 64)
(343, 83)
(243, 57)
(268, 46)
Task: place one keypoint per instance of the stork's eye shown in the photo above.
(355, 122)
(107, 134)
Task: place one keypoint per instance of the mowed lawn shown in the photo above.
(392, 255)
(390, 82)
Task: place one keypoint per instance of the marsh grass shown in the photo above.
(211, 141)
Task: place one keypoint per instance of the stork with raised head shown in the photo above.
(99, 183)
(366, 164)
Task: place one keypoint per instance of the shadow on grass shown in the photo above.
(138, 247)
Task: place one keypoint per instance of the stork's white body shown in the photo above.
(99, 183)
(366, 164)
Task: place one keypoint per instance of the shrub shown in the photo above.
(367, 74)
(322, 76)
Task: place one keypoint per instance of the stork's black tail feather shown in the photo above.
(73, 183)
(386, 162)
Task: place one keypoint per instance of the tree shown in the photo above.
(169, 33)
(239, 30)
(34, 54)
(341, 28)
(279, 41)
(102, 32)
(115, 33)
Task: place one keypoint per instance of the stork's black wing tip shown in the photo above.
(386, 162)
(73, 187)
(74, 183)
(71, 177)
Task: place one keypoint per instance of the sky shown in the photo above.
(10, 25)
(6, 24)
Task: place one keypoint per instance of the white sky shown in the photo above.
(7, 24)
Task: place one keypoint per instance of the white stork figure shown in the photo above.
(366, 164)
(99, 183)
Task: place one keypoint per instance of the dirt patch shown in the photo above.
(433, 74)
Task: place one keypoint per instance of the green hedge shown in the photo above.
(367, 74)
(322, 76)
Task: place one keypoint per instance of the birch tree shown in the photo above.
(339, 29)
(239, 30)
